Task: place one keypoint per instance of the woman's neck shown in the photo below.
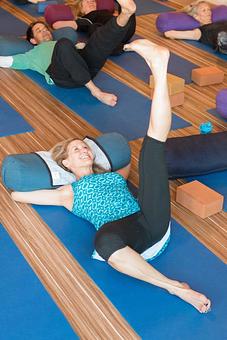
(79, 173)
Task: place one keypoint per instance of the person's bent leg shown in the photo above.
(154, 197)
(106, 38)
(128, 35)
(127, 260)
(120, 242)
(68, 69)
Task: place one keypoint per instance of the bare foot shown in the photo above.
(127, 6)
(156, 56)
(197, 300)
(106, 98)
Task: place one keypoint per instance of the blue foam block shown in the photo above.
(129, 117)
(214, 113)
(43, 4)
(34, 9)
(11, 122)
(149, 7)
(134, 64)
(27, 311)
(216, 181)
(10, 24)
(153, 313)
(206, 48)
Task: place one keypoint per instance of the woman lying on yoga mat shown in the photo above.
(212, 34)
(65, 66)
(126, 227)
(88, 19)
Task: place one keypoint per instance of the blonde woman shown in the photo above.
(88, 19)
(209, 33)
(126, 227)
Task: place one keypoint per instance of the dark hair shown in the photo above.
(29, 33)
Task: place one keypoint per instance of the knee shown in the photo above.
(64, 43)
(106, 243)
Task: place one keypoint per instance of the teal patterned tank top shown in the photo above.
(102, 198)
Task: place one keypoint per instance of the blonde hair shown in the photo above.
(193, 7)
(60, 152)
(76, 7)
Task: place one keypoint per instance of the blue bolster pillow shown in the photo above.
(26, 172)
(185, 156)
(11, 45)
(196, 155)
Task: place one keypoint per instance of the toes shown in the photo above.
(206, 308)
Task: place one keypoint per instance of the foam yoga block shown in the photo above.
(199, 199)
(43, 4)
(177, 99)
(207, 75)
(175, 87)
(175, 84)
(221, 103)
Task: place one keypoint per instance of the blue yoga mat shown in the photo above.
(206, 48)
(214, 113)
(27, 311)
(134, 64)
(153, 313)
(216, 181)
(30, 8)
(150, 7)
(11, 122)
(129, 117)
(10, 24)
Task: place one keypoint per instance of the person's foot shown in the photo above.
(106, 98)
(80, 45)
(197, 300)
(156, 56)
(127, 6)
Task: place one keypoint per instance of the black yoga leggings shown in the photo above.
(143, 229)
(74, 68)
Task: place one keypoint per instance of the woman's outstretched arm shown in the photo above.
(190, 35)
(62, 196)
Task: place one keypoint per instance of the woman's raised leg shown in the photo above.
(126, 260)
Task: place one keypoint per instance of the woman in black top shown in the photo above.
(88, 19)
(209, 33)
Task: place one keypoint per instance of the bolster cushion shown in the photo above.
(11, 45)
(221, 104)
(26, 172)
(59, 12)
(181, 21)
(105, 4)
(196, 155)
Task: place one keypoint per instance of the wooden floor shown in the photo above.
(74, 292)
